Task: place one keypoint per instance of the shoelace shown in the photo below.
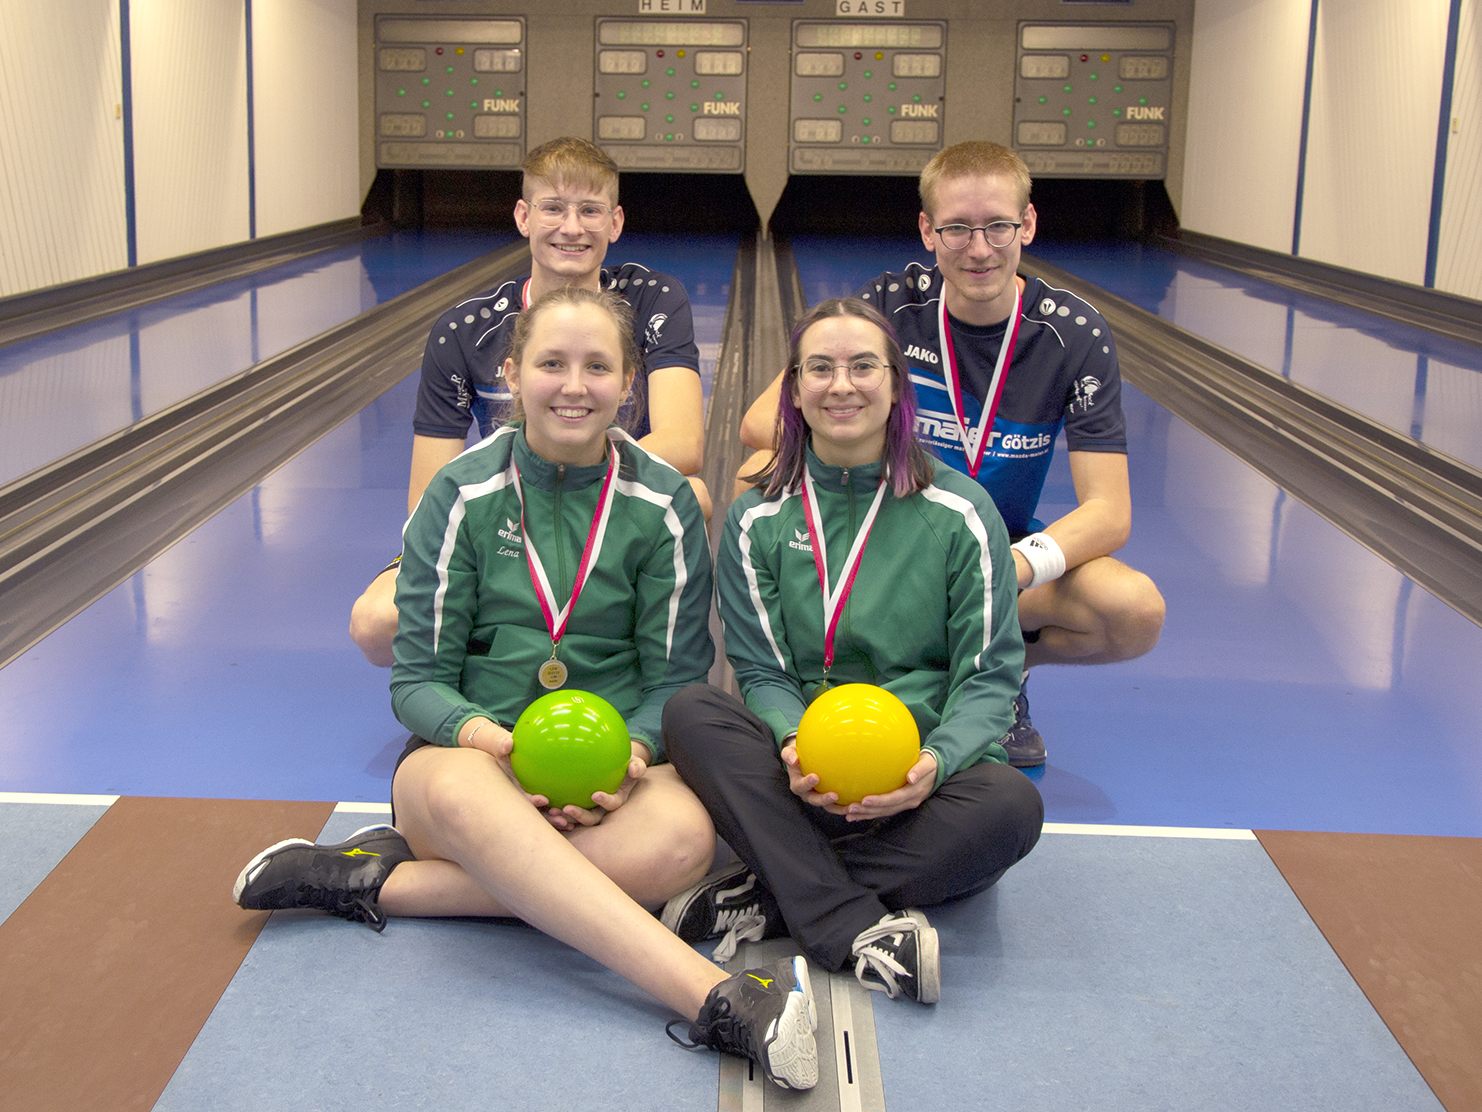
(746, 924)
(722, 1031)
(347, 905)
(878, 960)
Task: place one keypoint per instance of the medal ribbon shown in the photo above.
(974, 441)
(834, 600)
(555, 620)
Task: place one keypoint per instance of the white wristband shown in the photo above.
(1045, 557)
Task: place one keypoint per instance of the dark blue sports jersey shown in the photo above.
(1064, 372)
(463, 364)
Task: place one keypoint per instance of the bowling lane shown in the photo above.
(223, 668)
(1301, 682)
(61, 391)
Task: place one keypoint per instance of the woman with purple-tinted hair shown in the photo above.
(856, 558)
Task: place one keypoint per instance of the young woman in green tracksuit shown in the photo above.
(856, 559)
(555, 554)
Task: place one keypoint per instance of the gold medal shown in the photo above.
(552, 674)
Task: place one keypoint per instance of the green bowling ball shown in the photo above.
(569, 744)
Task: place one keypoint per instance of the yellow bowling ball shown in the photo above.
(860, 740)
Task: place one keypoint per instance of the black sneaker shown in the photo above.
(900, 955)
(764, 1014)
(731, 906)
(343, 879)
(1023, 743)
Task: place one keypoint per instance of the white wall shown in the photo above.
(1459, 258)
(306, 103)
(61, 144)
(190, 125)
(1245, 120)
(1371, 151)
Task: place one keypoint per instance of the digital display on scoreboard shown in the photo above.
(855, 35)
(655, 32)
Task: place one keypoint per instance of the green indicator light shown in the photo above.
(450, 115)
(720, 96)
(669, 71)
(1116, 88)
(1142, 100)
(643, 107)
(499, 92)
(817, 96)
(891, 110)
(669, 95)
(1116, 111)
(916, 99)
(474, 105)
(1066, 89)
(1095, 76)
(866, 123)
(668, 119)
(427, 104)
(843, 85)
(646, 83)
(622, 95)
(473, 80)
(1090, 100)
(694, 108)
(448, 70)
(401, 92)
(1044, 100)
(843, 109)
(1065, 111)
(695, 84)
(449, 92)
(868, 98)
(427, 81)
(669, 138)
(1091, 123)
(891, 86)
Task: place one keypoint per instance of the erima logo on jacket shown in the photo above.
(511, 532)
(800, 542)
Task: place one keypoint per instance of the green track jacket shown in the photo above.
(471, 634)
(933, 616)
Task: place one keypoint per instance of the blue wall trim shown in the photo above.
(131, 228)
(1306, 120)
(251, 134)
(1443, 132)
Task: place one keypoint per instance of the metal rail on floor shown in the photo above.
(28, 315)
(73, 530)
(1417, 508)
(1457, 318)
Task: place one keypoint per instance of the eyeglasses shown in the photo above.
(817, 375)
(956, 237)
(590, 214)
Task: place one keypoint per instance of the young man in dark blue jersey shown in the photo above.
(1000, 364)
(569, 212)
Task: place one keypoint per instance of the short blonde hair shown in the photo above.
(570, 161)
(975, 159)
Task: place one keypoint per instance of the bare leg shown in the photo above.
(457, 805)
(1100, 612)
(373, 619)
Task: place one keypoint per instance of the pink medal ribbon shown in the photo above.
(556, 619)
(975, 440)
(834, 600)
(525, 295)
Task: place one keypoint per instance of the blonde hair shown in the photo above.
(616, 308)
(975, 159)
(570, 161)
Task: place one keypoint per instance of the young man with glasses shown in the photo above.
(1000, 363)
(569, 212)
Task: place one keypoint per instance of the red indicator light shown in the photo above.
(857, 55)
(1085, 57)
(660, 53)
(440, 50)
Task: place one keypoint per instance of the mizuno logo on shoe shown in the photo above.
(358, 852)
(765, 982)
